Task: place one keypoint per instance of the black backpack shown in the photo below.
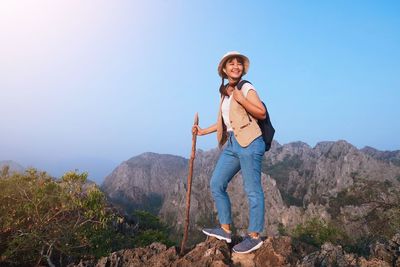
(266, 127)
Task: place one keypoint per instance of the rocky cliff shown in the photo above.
(143, 182)
(355, 189)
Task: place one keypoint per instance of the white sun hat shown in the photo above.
(227, 56)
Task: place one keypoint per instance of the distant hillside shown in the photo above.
(13, 166)
(144, 181)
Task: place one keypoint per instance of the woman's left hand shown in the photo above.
(238, 95)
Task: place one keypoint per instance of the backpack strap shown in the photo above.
(241, 83)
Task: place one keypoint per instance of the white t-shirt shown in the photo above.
(227, 103)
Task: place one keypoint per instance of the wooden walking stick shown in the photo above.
(189, 184)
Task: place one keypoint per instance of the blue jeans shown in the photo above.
(232, 159)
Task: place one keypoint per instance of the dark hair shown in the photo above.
(223, 86)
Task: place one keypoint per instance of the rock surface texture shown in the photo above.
(275, 252)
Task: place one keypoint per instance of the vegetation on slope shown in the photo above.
(59, 221)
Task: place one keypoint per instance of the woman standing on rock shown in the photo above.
(237, 126)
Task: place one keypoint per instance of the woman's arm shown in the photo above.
(252, 103)
(199, 131)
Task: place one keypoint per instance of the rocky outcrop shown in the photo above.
(388, 251)
(392, 157)
(313, 175)
(212, 252)
(275, 251)
(156, 255)
(331, 255)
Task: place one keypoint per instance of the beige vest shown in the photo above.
(244, 128)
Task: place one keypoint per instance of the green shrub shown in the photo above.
(282, 230)
(316, 232)
(145, 238)
(146, 220)
(150, 229)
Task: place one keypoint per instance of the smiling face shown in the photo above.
(234, 68)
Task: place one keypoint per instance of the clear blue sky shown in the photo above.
(88, 84)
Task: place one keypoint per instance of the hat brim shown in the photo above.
(246, 63)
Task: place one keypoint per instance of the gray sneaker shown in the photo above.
(248, 245)
(218, 233)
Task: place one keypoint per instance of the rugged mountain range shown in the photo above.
(355, 189)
